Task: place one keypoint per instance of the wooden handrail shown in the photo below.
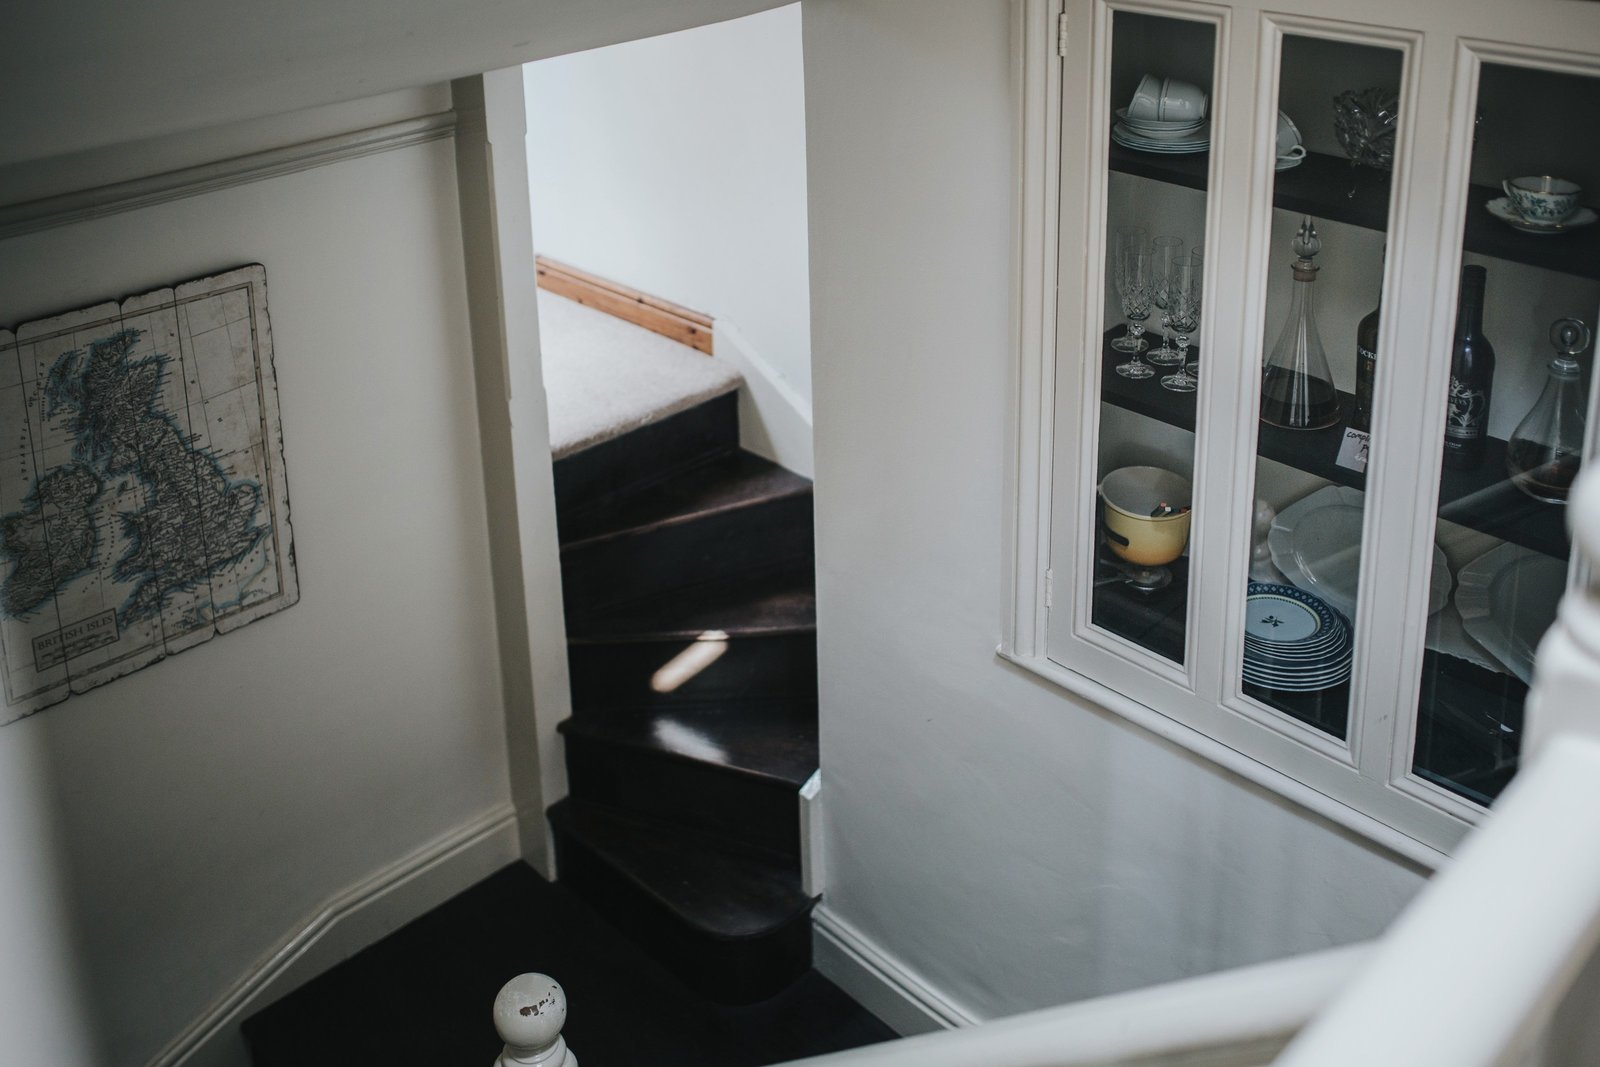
(681, 324)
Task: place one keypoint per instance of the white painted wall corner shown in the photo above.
(346, 923)
(774, 419)
(903, 999)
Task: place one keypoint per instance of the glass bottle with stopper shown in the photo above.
(1297, 390)
(1546, 448)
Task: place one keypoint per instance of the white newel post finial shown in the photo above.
(528, 1014)
(1566, 674)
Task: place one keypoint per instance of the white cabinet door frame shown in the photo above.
(1364, 783)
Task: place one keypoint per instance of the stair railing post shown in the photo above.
(1565, 697)
(529, 1012)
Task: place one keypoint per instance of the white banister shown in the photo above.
(1239, 1018)
(1566, 692)
(1480, 959)
(1478, 963)
(529, 1012)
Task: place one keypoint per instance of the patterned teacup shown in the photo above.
(1290, 145)
(1543, 200)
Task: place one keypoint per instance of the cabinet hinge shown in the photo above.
(1049, 587)
(1061, 34)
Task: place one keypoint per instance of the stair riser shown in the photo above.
(697, 796)
(778, 667)
(649, 454)
(705, 548)
(733, 971)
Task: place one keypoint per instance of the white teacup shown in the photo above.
(1181, 101)
(1146, 102)
(1289, 141)
(1543, 200)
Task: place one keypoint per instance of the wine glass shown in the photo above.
(1137, 286)
(1167, 251)
(1183, 311)
(1129, 239)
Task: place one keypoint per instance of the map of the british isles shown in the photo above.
(143, 505)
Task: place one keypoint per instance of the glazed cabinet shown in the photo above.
(1308, 297)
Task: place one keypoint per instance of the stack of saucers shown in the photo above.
(1176, 137)
(1293, 641)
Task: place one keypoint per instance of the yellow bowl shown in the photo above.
(1131, 494)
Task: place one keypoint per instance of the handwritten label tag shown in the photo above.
(1353, 451)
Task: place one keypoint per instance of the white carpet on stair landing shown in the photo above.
(604, 377)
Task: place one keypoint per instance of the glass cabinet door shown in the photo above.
(1161, 76)
(1324, 278)
(1246, 228)
(1516, 423)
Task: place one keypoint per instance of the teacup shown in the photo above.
(1543, 200)
(1181, 101)
(1289, 141)
(1146, 102)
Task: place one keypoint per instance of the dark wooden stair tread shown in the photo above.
(722, 891)
(722, 483)
(762, 739)
(778, 603)
(592, 479)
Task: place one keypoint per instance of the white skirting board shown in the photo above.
(345, 924)
(877, 981)
(774, 420)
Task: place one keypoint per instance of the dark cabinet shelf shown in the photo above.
(1321, 185)
(1153, 620)
(1482, 499)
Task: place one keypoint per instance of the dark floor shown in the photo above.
(423, 996)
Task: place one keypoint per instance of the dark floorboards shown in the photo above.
(423, 996)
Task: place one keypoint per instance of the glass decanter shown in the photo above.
(1546, 448)
(1297, 390)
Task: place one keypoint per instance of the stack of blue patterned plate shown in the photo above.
(1293, 641)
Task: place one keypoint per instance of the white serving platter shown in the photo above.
(1316, 543)
(1507, 598)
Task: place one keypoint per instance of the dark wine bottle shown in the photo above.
(1466, 427)
(1366, 370)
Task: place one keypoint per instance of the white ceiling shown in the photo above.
(83, 74)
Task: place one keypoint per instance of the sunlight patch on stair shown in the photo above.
(702, 653)
(687, 741)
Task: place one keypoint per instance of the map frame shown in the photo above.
(144, 504)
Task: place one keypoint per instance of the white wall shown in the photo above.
(98, 73)
(1012, 845)
(203, 809)
(676, 165)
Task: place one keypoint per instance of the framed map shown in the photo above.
(143, 503)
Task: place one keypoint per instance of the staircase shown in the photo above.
(687, 570)
(681, 829)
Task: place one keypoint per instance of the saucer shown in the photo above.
(1288, 162)
(1163, 146)
(1500, 207)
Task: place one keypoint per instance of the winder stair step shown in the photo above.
(731, 920)
(729, 769)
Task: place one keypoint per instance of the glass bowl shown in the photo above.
(1365, 122)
